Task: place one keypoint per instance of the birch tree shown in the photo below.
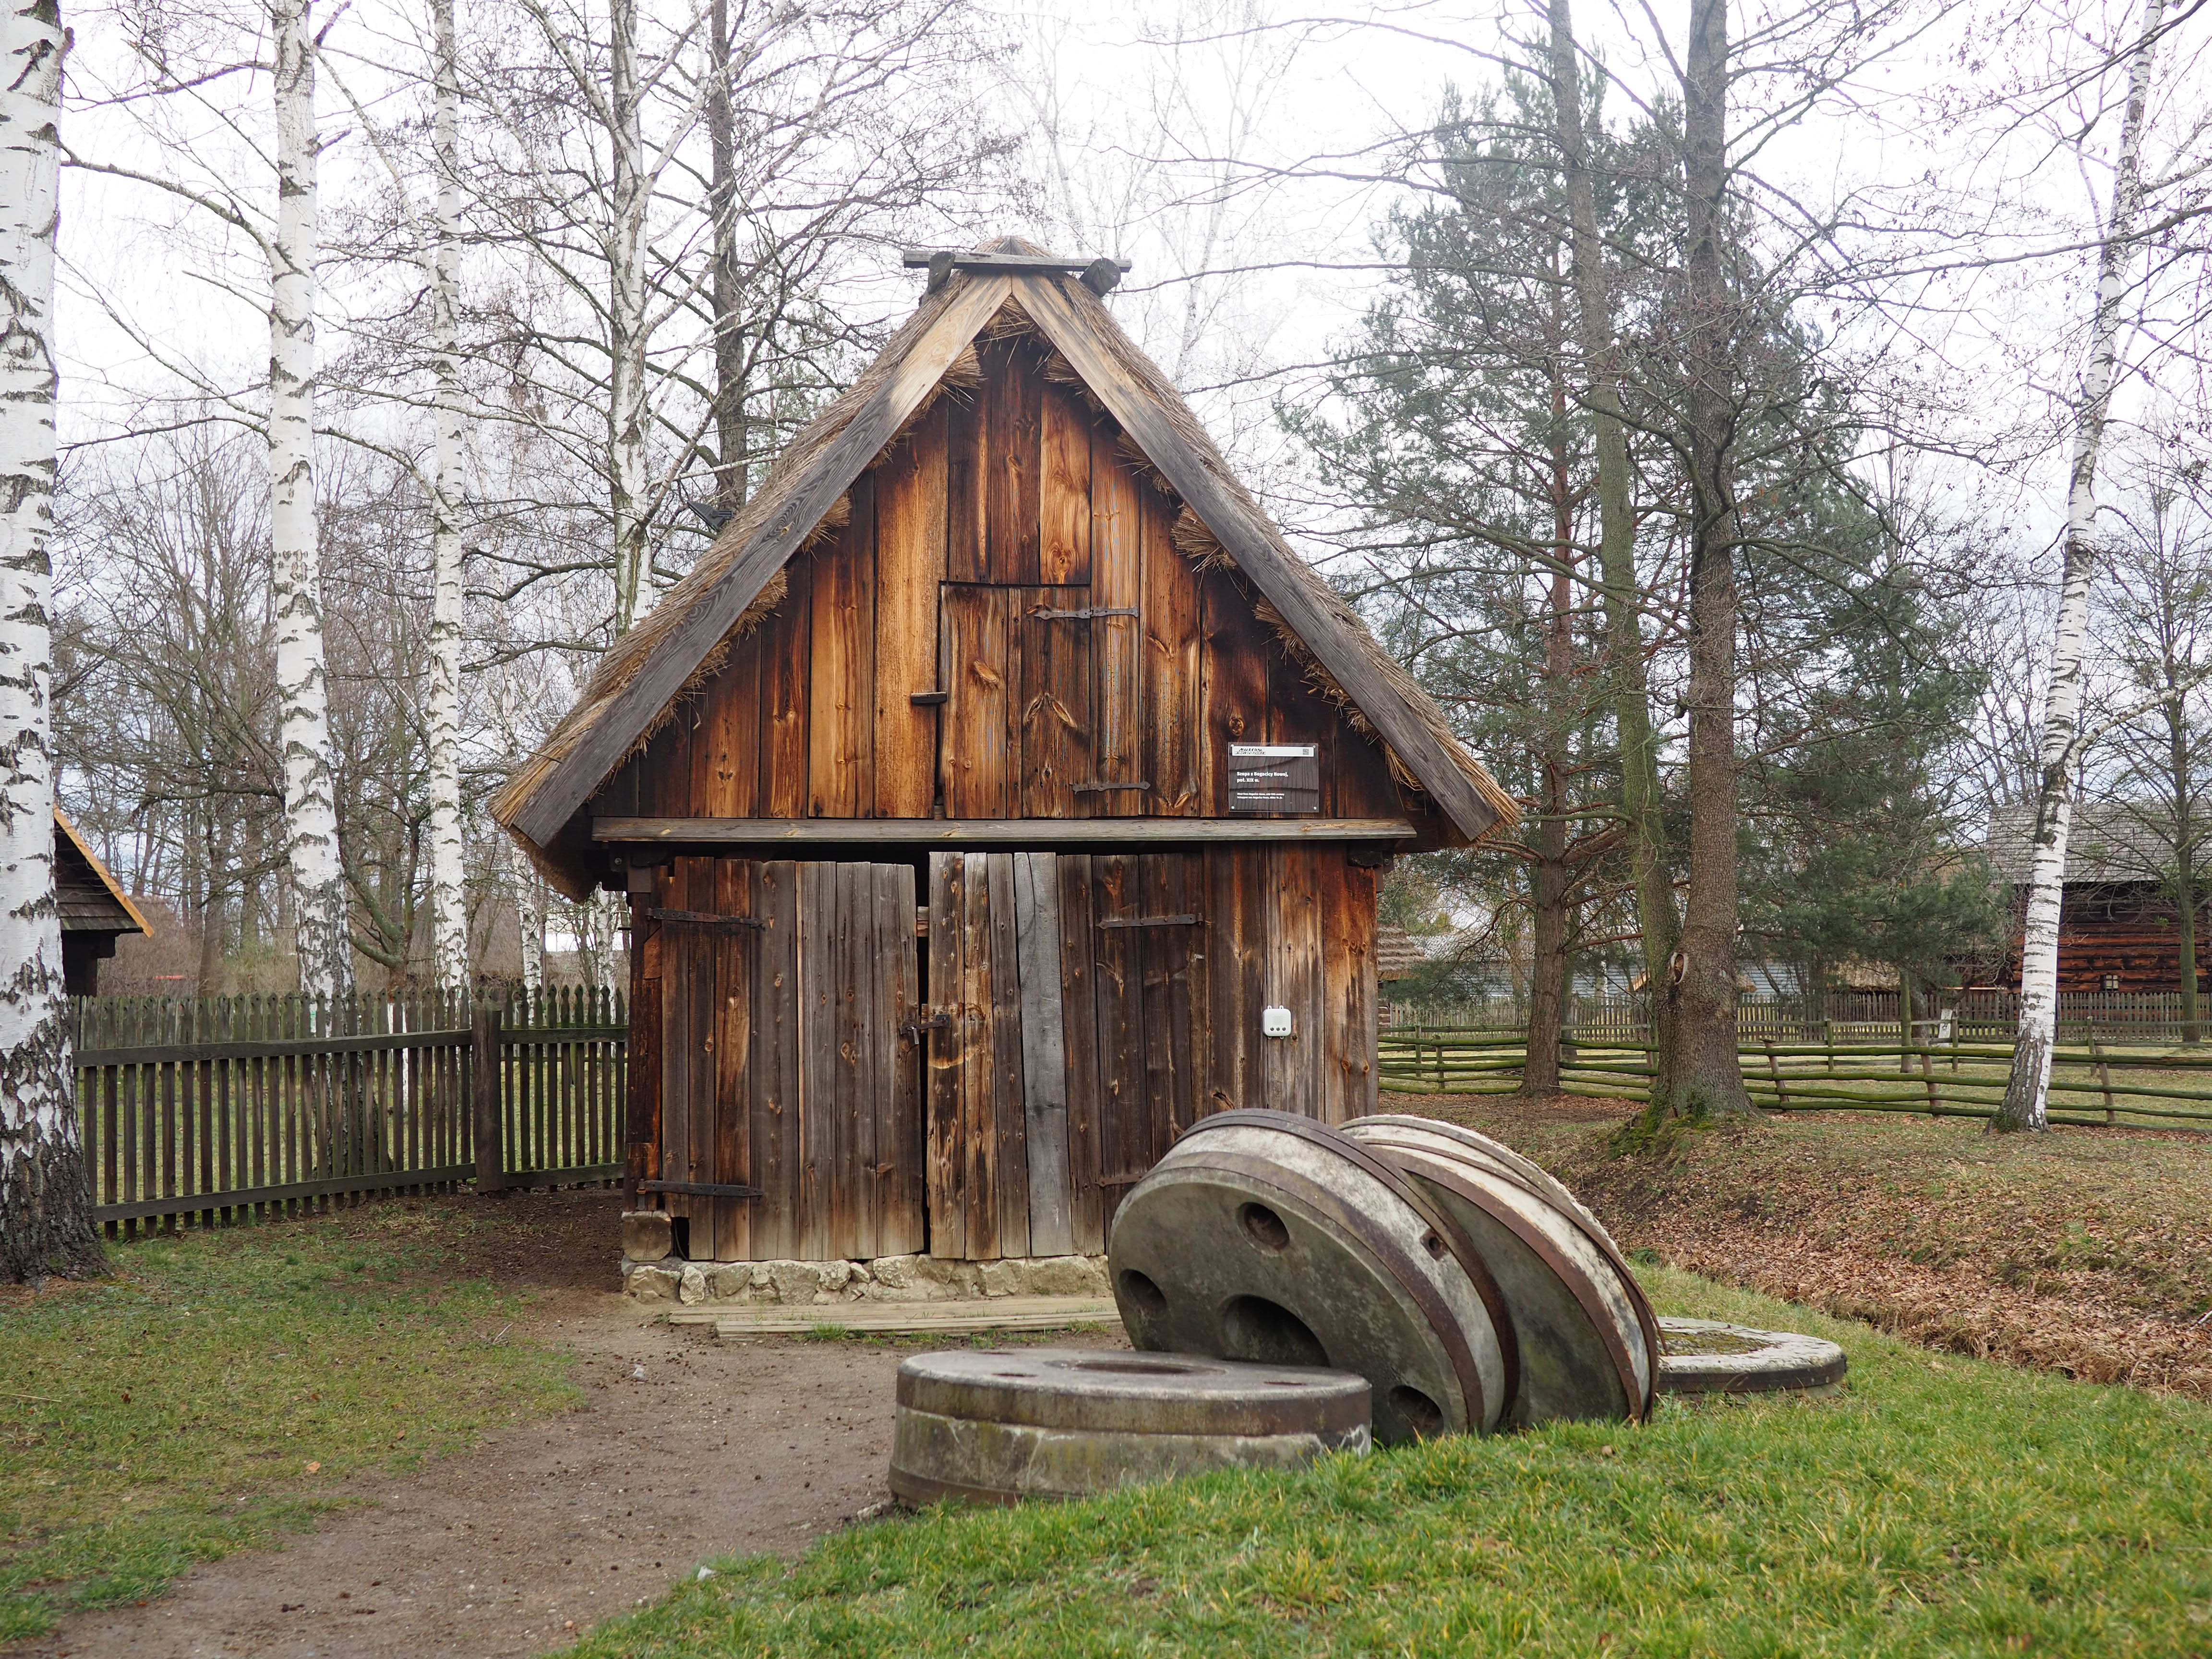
(449, 902)
(45, 1196)
(2027, 1090)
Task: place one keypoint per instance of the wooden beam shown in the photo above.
(1256, 554)
(1050, 264)
(993, 832)
(713, 612)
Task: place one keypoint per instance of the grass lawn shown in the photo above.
(1938, 1506)
(216, 1392)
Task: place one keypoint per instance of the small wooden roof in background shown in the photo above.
(90, 900)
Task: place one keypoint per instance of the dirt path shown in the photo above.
(519, 1546)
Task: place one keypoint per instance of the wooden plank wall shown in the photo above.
(783, 1065)
(995, 506)
(1098, 1005)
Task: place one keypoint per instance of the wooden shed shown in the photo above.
(94, 910)
(999, 795)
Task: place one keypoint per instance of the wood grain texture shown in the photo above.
(978, 1097)
(1291, 1070)
(1052, 702)
(1079, 1035)
(1010, 1163)
(1044, 1052)
(841, 697)
(821, 1117)
(910, 564)
(1348, 986)
(1174, 750)
(1064, 506)
(948, 1214)
(787, 683)
(979, 764)
(1117, 583)
(737, 958)
(774, 1106)
(1012, 398)
(902, 1143)
(1235, 974)
(991, 832)
(967, 486)
(1125, 1133)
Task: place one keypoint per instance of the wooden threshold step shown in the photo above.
(998, 1313)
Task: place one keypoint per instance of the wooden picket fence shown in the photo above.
(214, 1109)
(2147, 1085)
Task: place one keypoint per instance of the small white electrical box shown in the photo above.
(1274, 1022)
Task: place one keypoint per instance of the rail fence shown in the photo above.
(2147, 1085)
(1852, 1018)
(216, 1107)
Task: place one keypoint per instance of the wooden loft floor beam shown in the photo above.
(995, 832)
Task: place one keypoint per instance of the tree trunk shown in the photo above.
(1550, 880)
(1698, 1072)
(627, 479)
(732, 439)
(325, 945)
(2027, 1090)
(449, 920)
(45, 1195)
(1651, 862)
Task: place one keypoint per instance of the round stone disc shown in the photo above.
(1283, 1242)
(1710, 1356)
(998, 1425)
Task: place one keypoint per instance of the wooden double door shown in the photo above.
(995, 1091)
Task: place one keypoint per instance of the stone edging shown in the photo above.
(1766, 1362)
(887, 1279)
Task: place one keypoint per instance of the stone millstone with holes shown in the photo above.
(1707, 1356)
(1001, 1424)
(1272, 1239)
(1588, 1343)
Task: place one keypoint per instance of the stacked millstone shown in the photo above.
(1469, 1287)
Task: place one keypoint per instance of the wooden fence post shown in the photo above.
(2104, 1080)
(486, 1097)
(1774, 1072)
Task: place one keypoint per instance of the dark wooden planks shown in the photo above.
(1236, 932)
(1348, 991)
(910, 531)
(1291, 1068)
(946, 1052)
(1064, 506)
(841, 697)
(949, 833)
(772, 1108)
(1044, 1053)
(1013, 400)
(1087, 1205)
(1174, 753)
(787, 676)
(1008, 1119)
(1053, 703)
(979, 761)
(898, 1177)
(737, 958)
(1117, 643)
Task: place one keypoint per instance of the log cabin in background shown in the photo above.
(2119, 928)
(999, 795)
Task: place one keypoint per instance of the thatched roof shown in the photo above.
(686, 634)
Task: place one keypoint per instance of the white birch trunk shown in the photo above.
(324, 945)
(530, 918)
(2027, 1091)
(449, 924)
(629, 482)
(45, 1203)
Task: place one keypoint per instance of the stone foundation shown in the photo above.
(887, 1279)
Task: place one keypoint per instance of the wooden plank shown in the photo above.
(1013, 401)
(490, 1148)
(696, 991)
(678, 953)
(1290, 1067)
(991, 832)
(901, 1152)
(1188, 989)
(822, 1112)
(774, 1094)
(1126, 1130)
(1241, 656)
(1172, 749)
(1044, 1053)
(948, 1228)
(1295, 714)
(842, 684)
(978, 1141)
(787, 645)
(1161, 954)
(910, 531)
(1053, 699)
(1010, 1175)
(1353, 661)
(979, 758)
(1348, 990)
(1064, 495)
(642, 1074)
(1236, 932)
(736, 956)
(967, 485)
(1079, 1033)
(1117, 583)
(725, 743)
(967, 306)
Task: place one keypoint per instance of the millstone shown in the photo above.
(1267, 1237)
(1001, 1424)
(1588, 1342)
(1708, 1356)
